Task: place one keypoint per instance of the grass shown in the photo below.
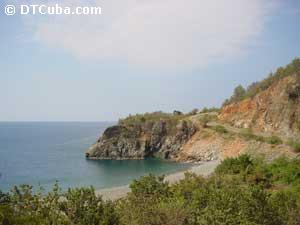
(205, 134)
(295, 145)
(205, 119)
(220, 129)
(274, 140)
(147, 120)
(248, 135)
(152, 117)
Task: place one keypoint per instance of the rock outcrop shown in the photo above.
(208, 145)
(262, 119)
(275, 110)
(161, 138)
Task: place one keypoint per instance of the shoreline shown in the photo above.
(204, 169)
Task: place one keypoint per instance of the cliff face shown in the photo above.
(275, 110)
(161, 138)
(272, 115)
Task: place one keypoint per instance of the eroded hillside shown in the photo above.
(275, 110)
(263, 119)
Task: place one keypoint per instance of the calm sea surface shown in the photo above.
(44, 152)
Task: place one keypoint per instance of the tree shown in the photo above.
(239, 93)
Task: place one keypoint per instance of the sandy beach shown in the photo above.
(203, 169)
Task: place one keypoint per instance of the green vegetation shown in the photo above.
(193, 112)
(274, 140)
(209, 110)
(132, 120)
(294, 144)
(248, 135)
(220, 129)
(242, 190)
(206, 118)
(240, 165)
(147, 120)
(76, 206)
(241, 93)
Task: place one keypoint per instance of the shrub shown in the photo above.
(4, 197)
(193, 112)
(235, 194)
(77, 206)
(241, 164)
(274, 140)
(295, 145)
(148, 120)
(149, 185)
(220, 129)
(82, 206)
(285, 171)
(204, 120)
(248, 135)
(132, 120)
(208, 110)
(151, 202)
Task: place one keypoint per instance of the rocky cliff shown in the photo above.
(275, 110)
(263, 119)
(139, 137)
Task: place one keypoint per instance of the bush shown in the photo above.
(193, 112)
(241, 164)
(205, 119)
(208, 110)
(77, 206)
(285, 171)
(149, 185)
(248, 135)
(220, 129)
(295, 145)
(151, 201)
(4, 197)
(274, 140)
(132, 120)
(82, 206)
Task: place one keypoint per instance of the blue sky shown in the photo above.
(125, 61)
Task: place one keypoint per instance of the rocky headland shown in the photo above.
(150, 135)
(263, 119)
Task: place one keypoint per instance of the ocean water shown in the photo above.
(41, 153)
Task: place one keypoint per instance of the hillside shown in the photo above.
(263, 119)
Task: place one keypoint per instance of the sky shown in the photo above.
(139, 56)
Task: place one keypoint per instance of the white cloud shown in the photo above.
(157, 34)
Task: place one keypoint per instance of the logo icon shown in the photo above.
(10, 10)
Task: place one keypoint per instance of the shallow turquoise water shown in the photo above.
(41, 153)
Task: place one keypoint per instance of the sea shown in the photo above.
(43, 153)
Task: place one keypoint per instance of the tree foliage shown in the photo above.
(253, 89)
(243, 190)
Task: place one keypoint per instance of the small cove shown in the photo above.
(41, 153)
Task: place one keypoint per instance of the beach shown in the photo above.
(204, 169)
